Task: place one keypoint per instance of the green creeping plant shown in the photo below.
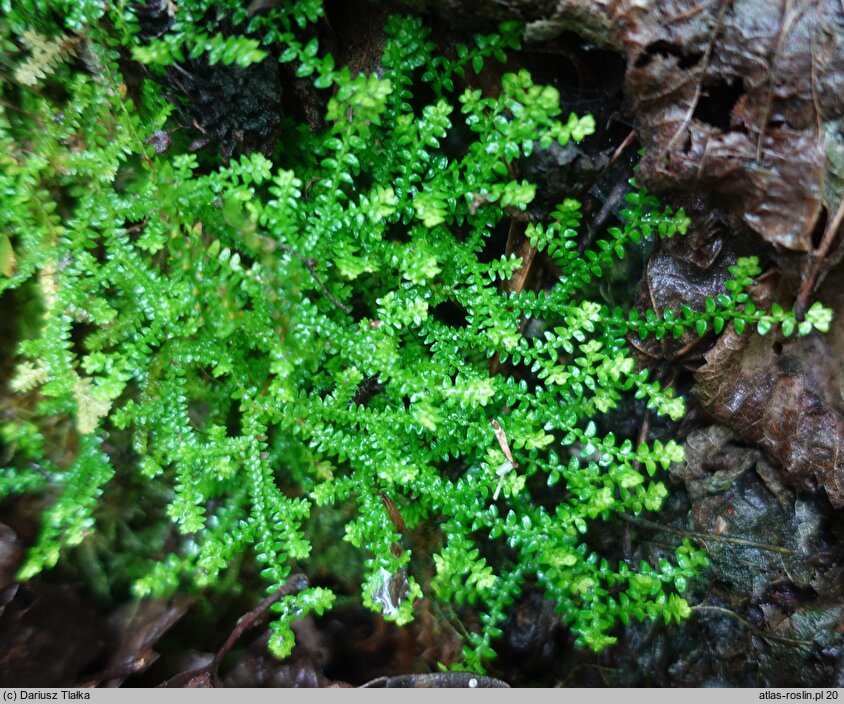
(236, 363)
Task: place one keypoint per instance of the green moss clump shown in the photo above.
(241, 340)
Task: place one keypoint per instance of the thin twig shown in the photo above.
(527, 252)
(644, 431)
(716, 31)
(705, 536)
(310, 265)
(762, 634)
(818, 257)
(628, 140)
(295, 584)
(520, 245)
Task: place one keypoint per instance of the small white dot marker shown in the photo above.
(473, 683)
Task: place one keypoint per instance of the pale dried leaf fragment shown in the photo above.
(45, 54)
(90, 405)
(506, 467)
(502, 441)
(8, 261)
(28, 375)
(49, 286)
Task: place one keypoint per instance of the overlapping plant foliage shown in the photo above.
(241, 340)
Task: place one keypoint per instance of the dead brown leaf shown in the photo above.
(785, 395)
(138, 626)
(730, 99)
